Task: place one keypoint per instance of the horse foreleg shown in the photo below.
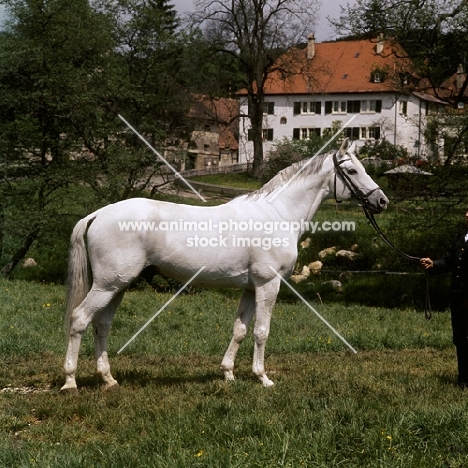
(245, 313)
(101, 326)
(80, 318)
(265, 298)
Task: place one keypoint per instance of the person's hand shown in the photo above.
(426, 263)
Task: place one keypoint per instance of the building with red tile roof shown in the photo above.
(325, 85)
(214, 140)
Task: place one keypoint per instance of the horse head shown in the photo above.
(352, 181)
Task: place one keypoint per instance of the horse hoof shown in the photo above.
(267, 382)
(228, 376)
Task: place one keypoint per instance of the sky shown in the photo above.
(323, 31)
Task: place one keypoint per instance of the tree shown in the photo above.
(48, 54)
(287, 152)
(433, 33)
(67, 69)
(255, 33)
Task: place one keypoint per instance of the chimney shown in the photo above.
(311, 46)
(460, 76)
(380, 44)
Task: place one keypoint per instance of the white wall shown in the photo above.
(389, 119)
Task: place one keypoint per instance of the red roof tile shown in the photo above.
(337, 67)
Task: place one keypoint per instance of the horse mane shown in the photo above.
(313, 166)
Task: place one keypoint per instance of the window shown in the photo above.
(431, 108)
(352, 132)
(305, 133)
(354, 107)
(269, 108)
(307, 107)
(373, 132)
(403, 107)
(371, 106)
(206, 148)
(335, 107)
(363, 133)
(267, 134)
(339, 107)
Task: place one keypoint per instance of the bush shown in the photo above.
(288, 152)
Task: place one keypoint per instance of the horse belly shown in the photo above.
(216, 267)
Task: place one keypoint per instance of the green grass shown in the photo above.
(242, 180)
(393, 404)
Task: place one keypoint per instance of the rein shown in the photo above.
(363, 197)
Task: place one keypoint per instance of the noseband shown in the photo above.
(355, 190)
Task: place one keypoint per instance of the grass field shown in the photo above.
(393, 404)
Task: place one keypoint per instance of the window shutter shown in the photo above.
(378, 105)
(405, 108)
(270, 134)
(377, 133)
(296, 134)
(355, 134)
(328, 107)
(271, 108)
(318, 107)
(250, 134)
(354, 107)
(297, 108)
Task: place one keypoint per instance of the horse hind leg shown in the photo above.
(101, 326)
(245, 313)
(95, 301)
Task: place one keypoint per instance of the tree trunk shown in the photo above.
(20, 253)
(256, 120)
(258, 157)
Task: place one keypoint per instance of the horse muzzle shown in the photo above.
(376, 202)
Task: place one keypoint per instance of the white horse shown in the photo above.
(242, 244)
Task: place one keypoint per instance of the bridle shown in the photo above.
(355, 190)
(364, 199)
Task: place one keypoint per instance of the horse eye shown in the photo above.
(352, 171)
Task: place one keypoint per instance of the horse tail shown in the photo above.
(79, 279)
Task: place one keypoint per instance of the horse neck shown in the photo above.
(303, 195)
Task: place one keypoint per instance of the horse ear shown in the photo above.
(344, 146)
(352, 148)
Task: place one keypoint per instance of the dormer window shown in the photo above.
(377, 74)
(376, 77)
